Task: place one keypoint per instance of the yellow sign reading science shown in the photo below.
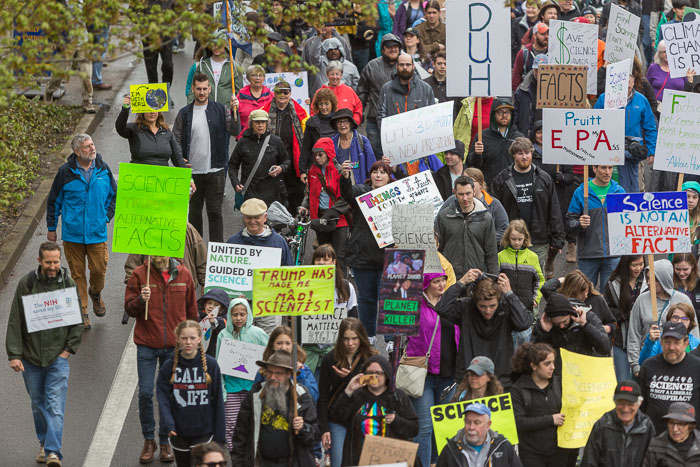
(294, 291)
(588, 385)
(448, 419)
(149, 98)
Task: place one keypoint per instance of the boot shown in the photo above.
(571, 253)
(148, 451)
(166, 454)
(86, 321)
(549, 264)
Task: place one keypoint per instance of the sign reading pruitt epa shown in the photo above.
(151, 210)
(583, 136)
(648, 223)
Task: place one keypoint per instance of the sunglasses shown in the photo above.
(212, 464)
(284, 92)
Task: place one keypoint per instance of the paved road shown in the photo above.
(101, 414)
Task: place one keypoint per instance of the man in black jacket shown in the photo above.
(574, 329)
(491, 155)
(446, 175)
(477, 443)
(528, 193)
(621, 436)
(202, 129)
(267, 432)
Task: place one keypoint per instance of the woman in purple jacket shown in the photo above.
(441, 362)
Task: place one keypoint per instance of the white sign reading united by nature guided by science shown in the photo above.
(230, 266)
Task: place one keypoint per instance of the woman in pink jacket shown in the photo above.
(253, 96)
(441, 363)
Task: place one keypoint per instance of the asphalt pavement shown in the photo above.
(101, 419)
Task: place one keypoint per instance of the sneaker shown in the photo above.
(389, 346)
(372, 340)
(89, 109)
(86, 322)
(166, 454)
(98, 305)
(41, 457)
(102, 87)
(571, 253)
(52, 460)
(148, 451)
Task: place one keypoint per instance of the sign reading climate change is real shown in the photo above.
(648, 223)
(583, 136)
(678, 141)
(682, 47)
(151, 210)
(478, 64)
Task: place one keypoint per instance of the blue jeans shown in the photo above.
(622, 366)
(101, 37)
(47, 388)
(629, 175)
(434, 385)
(337, 440)
(367, 281)
(521, 337)
(598, 268)
(375, 138)
(147, 361)
(360, 57)
(647, 47)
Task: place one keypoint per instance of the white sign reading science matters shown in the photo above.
(49, 310)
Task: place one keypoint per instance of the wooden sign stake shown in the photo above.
(652, 289)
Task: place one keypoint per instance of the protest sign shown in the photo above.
(230, 267)
(575, 44)
(377, 205)
(237, 358)
(297, 81)
(617, 76)
(206, 327)
(587, 388)
(411, 135)
(322, 329)
(449, 418)
(381, 450)
(682, 47)
(151, 210)
(621, 38)
(412, 227)
(562, 86)
(294, 291)
(54, 309)
(149, 98)
(400, 292)
(648, 223)
(477, 62)
(678, 139)
(583, 136)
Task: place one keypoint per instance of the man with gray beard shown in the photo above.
(268, 432)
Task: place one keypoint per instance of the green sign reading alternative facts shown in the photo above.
(151, 210)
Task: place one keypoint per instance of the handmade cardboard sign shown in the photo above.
(617, 77)
(293, 291)
(149, 98)
(621, 38)
(682, 47)
(380, 450)
(562, 86)
(412, 228)
(648, 223)
(237, 358)
(678, 140)
(575, 44)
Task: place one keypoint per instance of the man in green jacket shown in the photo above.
(42, 355)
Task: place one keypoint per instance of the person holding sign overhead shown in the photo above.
(42, 356)
(83, 194)
(239, 327)
(160, 297)
(478, 443)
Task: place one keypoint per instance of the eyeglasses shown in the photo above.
(285, 92)
(502, 112)
(678, 319)
(377, 373)
(212, 464)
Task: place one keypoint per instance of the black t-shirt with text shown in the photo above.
(274, 435)
(663, 383)
(525, 194)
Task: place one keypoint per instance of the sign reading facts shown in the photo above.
(562, 86)
(294, 291)
(150, 215)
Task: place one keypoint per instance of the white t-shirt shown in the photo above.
(216, 70)
(200, 143)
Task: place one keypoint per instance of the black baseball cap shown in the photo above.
(627, 390)
(675, 330)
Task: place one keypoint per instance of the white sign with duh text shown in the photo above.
(237, 358)
(678, 141)
(478, 64)
(575, 44)
(682, 47)
(54, 309)
(411, 135)
(377, 205)
(583, 136)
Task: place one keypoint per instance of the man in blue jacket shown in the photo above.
(640, 136)
(83, 193)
